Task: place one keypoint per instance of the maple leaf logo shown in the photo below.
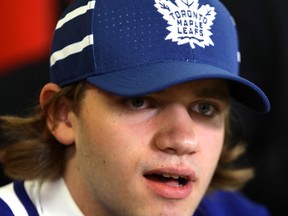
(187, 22)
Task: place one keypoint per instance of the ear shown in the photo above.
(59, 115)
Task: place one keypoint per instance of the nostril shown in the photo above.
(171, 151)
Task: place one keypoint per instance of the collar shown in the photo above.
(52, 198)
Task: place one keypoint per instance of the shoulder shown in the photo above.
(9, 202)
(224, 203)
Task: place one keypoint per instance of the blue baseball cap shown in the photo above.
(136, 47)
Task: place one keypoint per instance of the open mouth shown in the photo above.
(172, 180)
(170, 183)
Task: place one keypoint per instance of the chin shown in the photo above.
(170, 208)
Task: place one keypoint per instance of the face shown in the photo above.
(150, 155)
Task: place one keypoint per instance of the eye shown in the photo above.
(206, 109)
(139, 103)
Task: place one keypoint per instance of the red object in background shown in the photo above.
(26, 29)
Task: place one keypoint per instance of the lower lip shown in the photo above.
(170, 192)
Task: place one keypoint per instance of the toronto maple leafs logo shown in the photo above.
(187, 22)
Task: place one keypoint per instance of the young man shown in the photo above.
(136, 119)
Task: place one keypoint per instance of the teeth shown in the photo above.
(166, 175)
(182, 180)
(173, 176)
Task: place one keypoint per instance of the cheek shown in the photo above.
(107, 151)
(211, 147)
(107, 144)
(95, 141)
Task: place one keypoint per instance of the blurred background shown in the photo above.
(26, 31)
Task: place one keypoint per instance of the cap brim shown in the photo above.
(150, 78)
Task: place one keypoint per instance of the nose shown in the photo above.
(176, 134)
